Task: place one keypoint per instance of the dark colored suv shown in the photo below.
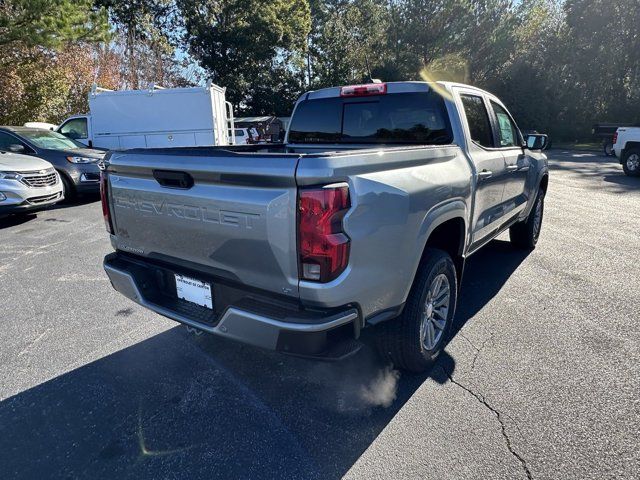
(76, 164)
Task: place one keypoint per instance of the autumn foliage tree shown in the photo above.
(52, 51)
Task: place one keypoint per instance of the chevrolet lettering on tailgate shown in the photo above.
(188, 212)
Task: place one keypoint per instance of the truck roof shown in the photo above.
(392, 87)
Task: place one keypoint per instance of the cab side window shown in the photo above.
(507, 132)
(75, 129)
(478, 120)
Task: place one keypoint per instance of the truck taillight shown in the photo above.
(323, 247)
(364, 90)
(615, 138)
(104, 197)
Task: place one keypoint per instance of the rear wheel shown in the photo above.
(608, 149)
(526, 234)
(414, 340)
(631, 163)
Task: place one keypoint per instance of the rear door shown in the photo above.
(233, 215)
(517, 164)
(220, 117)
(489, 164)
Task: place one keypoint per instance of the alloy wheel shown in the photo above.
(633, 162)
(435, 312)
(537, 218)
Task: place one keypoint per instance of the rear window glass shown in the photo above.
(400, 118)
(478, 120)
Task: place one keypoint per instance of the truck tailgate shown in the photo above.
(234, 214)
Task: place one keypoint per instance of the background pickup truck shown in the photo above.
(364, 216)
(626, 145)
(605, 133)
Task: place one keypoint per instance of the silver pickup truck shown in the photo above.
(364, 216)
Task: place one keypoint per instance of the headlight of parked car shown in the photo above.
(81, 159)
(9, 176)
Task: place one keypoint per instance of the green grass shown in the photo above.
(584, 146)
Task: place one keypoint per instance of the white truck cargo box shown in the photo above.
(153, 118)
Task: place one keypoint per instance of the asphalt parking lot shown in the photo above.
(541, 380)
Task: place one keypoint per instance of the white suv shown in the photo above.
(27, 184)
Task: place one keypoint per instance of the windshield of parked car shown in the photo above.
(399, 118)
(49, 140)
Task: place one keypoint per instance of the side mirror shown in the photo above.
(16, 148)
(536, 141)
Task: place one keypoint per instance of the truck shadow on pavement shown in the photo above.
(176, 406)
(501, 259)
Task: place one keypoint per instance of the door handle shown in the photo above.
(172, 179)
(485, 174)
(512, 168)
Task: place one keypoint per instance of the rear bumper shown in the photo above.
(262, 324)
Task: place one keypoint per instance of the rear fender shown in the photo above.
(437, 216)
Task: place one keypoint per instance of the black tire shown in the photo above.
(631, 162)
(526, 234)
(401, 341)
(608, 149)
(68, 189)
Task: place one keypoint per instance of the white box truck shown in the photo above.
(153, 118)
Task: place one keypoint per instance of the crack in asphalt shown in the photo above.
(460, 334)
(31, 343)
(499, 416)
(478, 350)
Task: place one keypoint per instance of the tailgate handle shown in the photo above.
(172, 179)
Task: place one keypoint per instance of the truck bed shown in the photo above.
(236, 215)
